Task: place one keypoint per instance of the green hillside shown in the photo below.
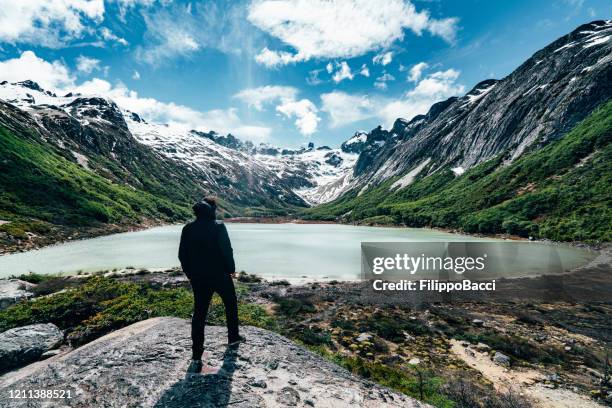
(561, 192)
(40, 187)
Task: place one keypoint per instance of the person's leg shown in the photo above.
(201, 300)
(228, 295)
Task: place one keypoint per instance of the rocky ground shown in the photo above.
(145, 364)
(524, 351)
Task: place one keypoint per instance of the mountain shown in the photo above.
(537, 103)
(76, 161)
(243, 174)
(476, 149)
(71, 167)
(60, 146)
(314, 175)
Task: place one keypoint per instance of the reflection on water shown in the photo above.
(287, 251)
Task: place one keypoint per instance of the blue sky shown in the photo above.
(285, 72)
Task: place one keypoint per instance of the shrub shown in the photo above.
(100, 305)
(292, 306)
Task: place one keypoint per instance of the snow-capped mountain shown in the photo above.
(240, 171)
(536, 104)
(317, 175)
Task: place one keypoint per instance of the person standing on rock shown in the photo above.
(207, 259)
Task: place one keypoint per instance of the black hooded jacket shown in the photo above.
(205, 251)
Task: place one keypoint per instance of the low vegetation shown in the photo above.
(559, 192)
(99, 305)
(42, 188)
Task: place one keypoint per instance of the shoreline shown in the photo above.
(111, 229)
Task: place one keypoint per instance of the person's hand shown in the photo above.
(233, 275)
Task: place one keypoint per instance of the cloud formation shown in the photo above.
(381, 81)
(344, 108)
(304, 112)
(416, 71)
(86, 65)
(55, 76)
(50, 75)
(182, 30)
(46, 23)
(339, 29)
(435, 87)
(383, 58)
(108, 35)
(285, 97)
(258, 97)
(343, 71)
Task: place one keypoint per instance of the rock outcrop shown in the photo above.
(145, 365)
(23, 345)
(14, 290)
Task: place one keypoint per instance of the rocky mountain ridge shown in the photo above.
(536, 104)
(242, 172)
(93, 129)
(533, 106)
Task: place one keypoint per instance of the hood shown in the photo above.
(204, 210)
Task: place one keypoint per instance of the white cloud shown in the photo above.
(285, 97)
(125, 5)
(153, 110)
(86, 65)
(313, 77)
(47, 23)
(343, 71)
(136, 75)
(345, 108)
(181, 30)
(50, 75)
(416, 71)
(305, 113)
(381, 81)
(365, 71)
(435, 87)
(339, 29)
(108, 35)
(174, 41)
(56, 77)
(273, 59)
(383, 58)
(258, 97)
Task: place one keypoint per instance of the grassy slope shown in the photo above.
(561, 192)
(39, 184)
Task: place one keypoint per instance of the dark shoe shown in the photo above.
(195, 367)
(235, 342)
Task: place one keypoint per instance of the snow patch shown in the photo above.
(458, 170)
(360, 138)
(409, 177)
(81, 159)
(478, 94)
(597, 40)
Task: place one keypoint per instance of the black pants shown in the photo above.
(202, 294)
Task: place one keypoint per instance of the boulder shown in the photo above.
(145, 365)
(478, 322)
(22, 345)
(14, 290)
(501, 358)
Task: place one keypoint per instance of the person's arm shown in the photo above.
(226, 249)
(183, 254)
